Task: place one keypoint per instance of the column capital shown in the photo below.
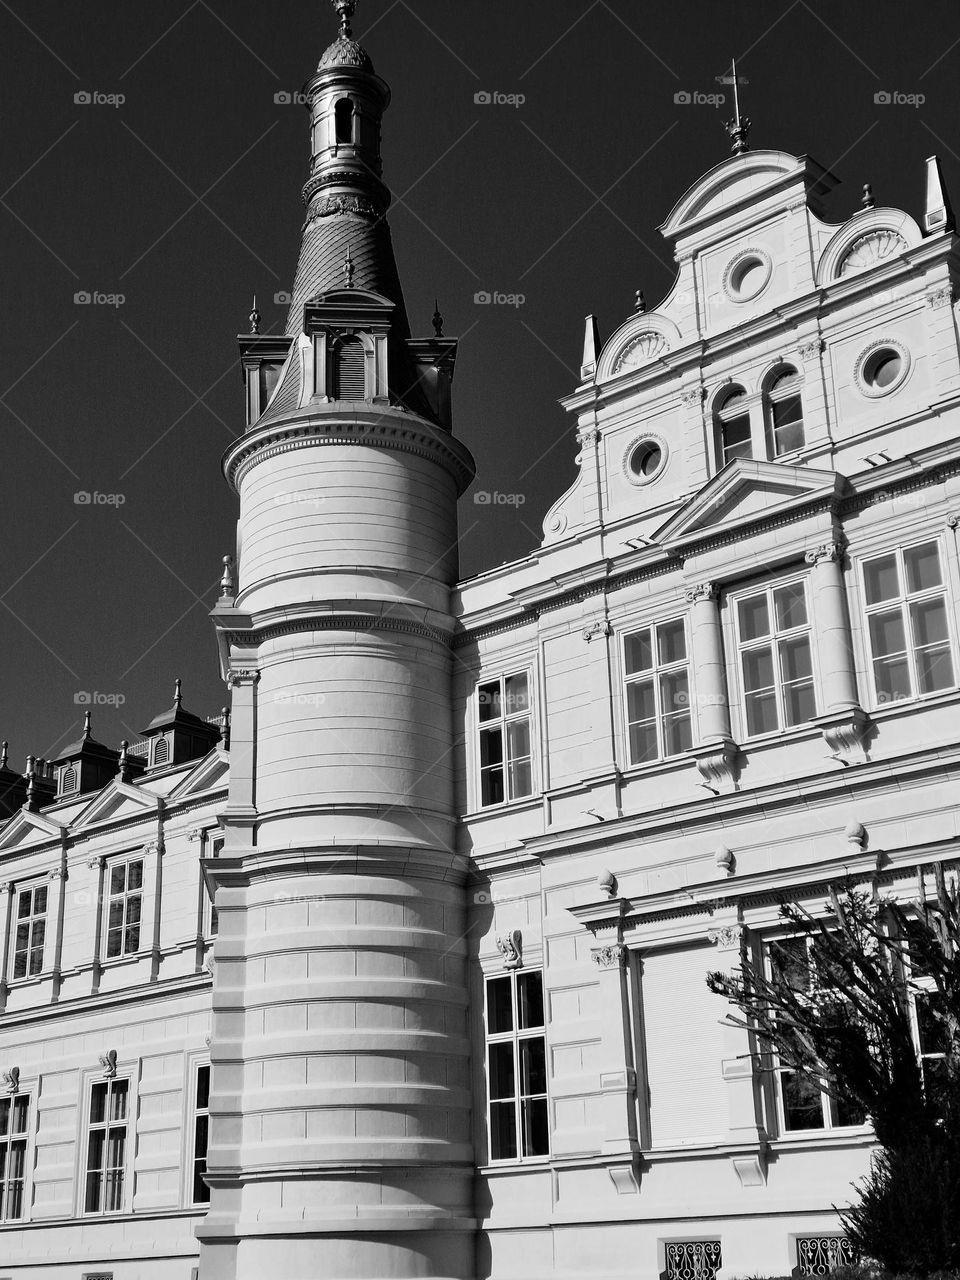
(242, 676)
(827, 551)
(701, 591)
(611, 957)
(726, 937)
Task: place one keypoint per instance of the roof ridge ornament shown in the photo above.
(345, 11)
(739, 127)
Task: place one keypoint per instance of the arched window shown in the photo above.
(784, 413)
(732, 419)
(344, 120)
(161, 751)
(348, 380)
(68, 780)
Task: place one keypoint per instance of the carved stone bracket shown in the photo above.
(717, 763)
(243, 675)
(611, 957)
(58, 873)
(953, 519)
(726, 937)
(751, 1168)
(625, 1176)
(942, 297)
(97, 864)
(826, 551)
(845, 734)
(598, 629)
(11, 1079)
(693, 396)
(108, 1061)
(590, 436)
(510, 946)
(701, 591)
(810, 350)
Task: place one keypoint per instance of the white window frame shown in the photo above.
(30, 887)
(654, 674)
(195, 1066)
(721, 414)
(125, 861)
(515, 1037)
(828, 1106)
(91, 1082)
(7, 1141)
(503, 721)
(773, 639)
(902, 602)
(771, 397)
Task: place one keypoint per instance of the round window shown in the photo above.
(747, 275)
(645, 460)
(881, 368)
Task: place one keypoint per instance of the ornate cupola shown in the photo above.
(86, 765)
(176, 736)
(347, 335)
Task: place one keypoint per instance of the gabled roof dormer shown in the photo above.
(85, 765)
(176, 736)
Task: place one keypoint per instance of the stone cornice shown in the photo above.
(355, 621)
(389, 429)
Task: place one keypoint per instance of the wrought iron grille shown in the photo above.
(819, 1255)
(692, 1259)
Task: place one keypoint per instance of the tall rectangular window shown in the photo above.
(776, 662)
(657, 691)
(124, 910)
(517, 1066)
(803, 1103)
(506, 739)
(907, 623)
(31, 927)
(14, 1115)
(201, 1135)
(107, 1146)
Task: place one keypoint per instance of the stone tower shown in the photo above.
(340, 1108)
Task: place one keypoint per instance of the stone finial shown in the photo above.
(437, 319)
(591, 346)
(724, 859)
(867, 199)
(641, 303)
(254, 317)
(123, 764)
(226, 580)
(856, 834)
(87, 717)
(4, 753)
(178, 693)
(225, 728)
(937, 213)
(607, 883)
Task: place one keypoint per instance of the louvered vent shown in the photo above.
(348, 366)
(68, 781)
(161, 752)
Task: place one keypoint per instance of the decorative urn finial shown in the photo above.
(177, 693)
(254, 317)
(226, 580)
(867, 199)
(345, 11)
(86, 724)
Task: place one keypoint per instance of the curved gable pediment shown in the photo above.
(727, 185)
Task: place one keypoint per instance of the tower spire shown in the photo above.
(739, 127)
(345, 10)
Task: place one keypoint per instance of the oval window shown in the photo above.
(645, 461)
(882, 369)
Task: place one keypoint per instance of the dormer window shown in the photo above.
(344, 121)
(733, 427)
(349, 377)
(784, 413)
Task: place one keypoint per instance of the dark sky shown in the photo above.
(185, 199)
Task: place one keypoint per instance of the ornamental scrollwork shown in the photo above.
(612, 957)
(700, 591)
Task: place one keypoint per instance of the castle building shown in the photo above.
(398, 969)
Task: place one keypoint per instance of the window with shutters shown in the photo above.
(14, 1117)
(107, 1146)
(517, 1107)
(30, 929)
(124, 908)
(349, 369)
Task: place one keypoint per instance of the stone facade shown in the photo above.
(474, 846)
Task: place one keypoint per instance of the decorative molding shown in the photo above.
(942, 297)
(717, 762)
(953, 519)
(642, 347)
(328, 206)
(11, 1079)
(367, 622)
(607, 883)
(611, 957)
(625, 1177)
(855, 833)
(108, 1061)
(693, 396)
(243, 675)
(810, 350)
(724, 859)
(762, 258)
(658, 442)
(871, 249)
(751, 1168)
(58, 873)
(845, 733)
(590, 436)
(6, 887)
(510, 946)
(97, 864)
(701, 591)
(864, 387)
(598, 629)
(726, 937)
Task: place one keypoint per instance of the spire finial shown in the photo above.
(225, 728)
(123, 764)
(437, 319)
(739, 127)
(641, 303)
(345, 11)
(254, 317)
(4, 752)
(867, 199)
(177, 695)
(226, 579)
(349, 269)
(86, 724)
